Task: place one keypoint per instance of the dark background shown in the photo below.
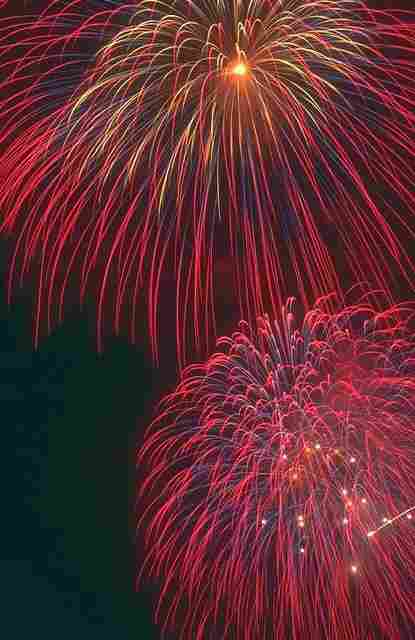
(71, 422)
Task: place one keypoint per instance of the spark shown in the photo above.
(387, 522)
(240, 69)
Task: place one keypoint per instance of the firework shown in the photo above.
(282, 481)
(137, 136)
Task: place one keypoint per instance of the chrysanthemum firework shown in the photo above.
(134, 134)
(281, 481)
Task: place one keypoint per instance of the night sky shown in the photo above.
(71, 422)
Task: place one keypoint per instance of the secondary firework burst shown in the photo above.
(281, 482)
(134, 134)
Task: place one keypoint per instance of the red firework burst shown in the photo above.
(282, 481)
(135, 134)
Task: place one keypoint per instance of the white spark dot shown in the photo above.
(264, 522)
(409, 516)
(240, 69)
(354, 568)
